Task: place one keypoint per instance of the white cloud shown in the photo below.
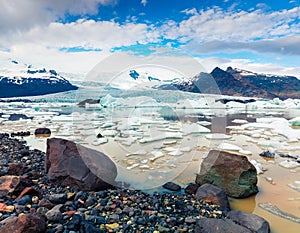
(216, 24)
(284, 46)
(22, 15)
(90, 34)
(37, 37)
(144, 2)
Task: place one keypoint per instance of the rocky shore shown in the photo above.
(30, 202)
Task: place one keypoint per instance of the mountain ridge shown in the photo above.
(19, 80)
(236, 82)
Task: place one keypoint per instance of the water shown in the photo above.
(154, 115)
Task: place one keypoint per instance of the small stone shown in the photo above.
(58, 198)
(163, 229)
(24, 200)
(35, 199)
(54, 214)
(10, 208)
(112, 226)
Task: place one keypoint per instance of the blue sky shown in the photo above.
(74, 35)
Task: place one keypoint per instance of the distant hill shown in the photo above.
(236, 82)
(18, 80)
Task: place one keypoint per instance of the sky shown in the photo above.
(75, 35)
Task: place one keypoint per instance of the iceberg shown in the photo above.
(108, 101)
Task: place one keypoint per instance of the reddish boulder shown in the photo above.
(25, 223)
(231, 172)
(8, 184)
(13, 185)
(214, 194)
(74, 165)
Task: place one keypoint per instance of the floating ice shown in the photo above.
(195, 129)
(259, 168)
(133, 166)
(167, 135)
(157, 154)
(169, 142)
(176, 152)
(99, 141)
(289, 164)
(109, 133)
(204, 123)
(138, 152)
(228, 146)
(240, 121)
(245, 152)
(186, 149)
(218, 136)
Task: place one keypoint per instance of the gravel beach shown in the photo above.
(66, 209)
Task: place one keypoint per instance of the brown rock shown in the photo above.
(191, 188)
(209, 225)
(231, 172)
(26, 223)
(17, 169)
(30, 191)
(74, 165)
(214, 194)
(8, 184)
(251, 221)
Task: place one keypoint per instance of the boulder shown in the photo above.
(13, 185)
(209, 225)
(172, 186)
(74, 165)
(88, 101)
(25, 223)
(231, 172)
(8, 184)
(267, 154)
(251, 221)
(214, 194)
(191, 188)
(42, 131)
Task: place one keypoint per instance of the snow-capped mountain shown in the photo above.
(237, 82)
(141, 78)
(18, 79)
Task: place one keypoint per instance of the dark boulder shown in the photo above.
(172, 186)
(26, 223)
(231, 172)
(191, 188)
(74, 165)
(251, 221)
(267, 154)
(16, 117)
(214, 194)
(213, 225)
(42, 131)
(88, 101)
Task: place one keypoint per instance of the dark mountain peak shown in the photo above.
(217, 70)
